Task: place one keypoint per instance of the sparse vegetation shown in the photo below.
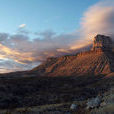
(29, 92)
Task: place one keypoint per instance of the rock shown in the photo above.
(94, 102)
(96, 61)
(102, 42)
(73, 106)
(103, 104)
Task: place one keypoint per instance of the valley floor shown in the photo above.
(55, 95)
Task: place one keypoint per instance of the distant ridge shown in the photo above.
(99, 60)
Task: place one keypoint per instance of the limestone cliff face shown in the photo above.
(102, 42)
(97, 61)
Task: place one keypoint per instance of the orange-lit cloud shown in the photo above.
(15, 55)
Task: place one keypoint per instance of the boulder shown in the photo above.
(73, 106)
(94, 102)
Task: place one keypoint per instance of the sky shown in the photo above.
(33, 30)
(61, 16)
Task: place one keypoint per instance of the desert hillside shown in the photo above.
(99, 60)
(92, 62)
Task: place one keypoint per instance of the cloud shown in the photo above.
(99, 19)
(19, 49)
(21, 52)
(22, 26)
(3, 36)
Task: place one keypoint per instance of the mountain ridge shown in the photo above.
(91, 62)
(99, 60)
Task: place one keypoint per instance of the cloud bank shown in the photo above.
(19, 52)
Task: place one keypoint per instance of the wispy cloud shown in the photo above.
(99, 18)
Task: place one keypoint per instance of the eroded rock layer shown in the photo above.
(92, 62)
(100, 60)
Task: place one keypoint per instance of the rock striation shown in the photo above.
(102, 42)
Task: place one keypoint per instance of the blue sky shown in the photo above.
(61, 16)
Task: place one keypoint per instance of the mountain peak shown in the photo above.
(99, 60)
(102, 42)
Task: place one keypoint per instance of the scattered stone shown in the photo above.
(103, 104)
(73, 106)
(94, 102)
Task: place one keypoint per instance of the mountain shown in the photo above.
(99, 60)
(35, 92)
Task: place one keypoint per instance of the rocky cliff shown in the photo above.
(102, 42)
(100, 60)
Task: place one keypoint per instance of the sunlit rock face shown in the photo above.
(102, 42)
(99, 60)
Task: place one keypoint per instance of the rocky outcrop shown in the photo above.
(99, 60)
(94, 102)
(91, 63)
(102, 42)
